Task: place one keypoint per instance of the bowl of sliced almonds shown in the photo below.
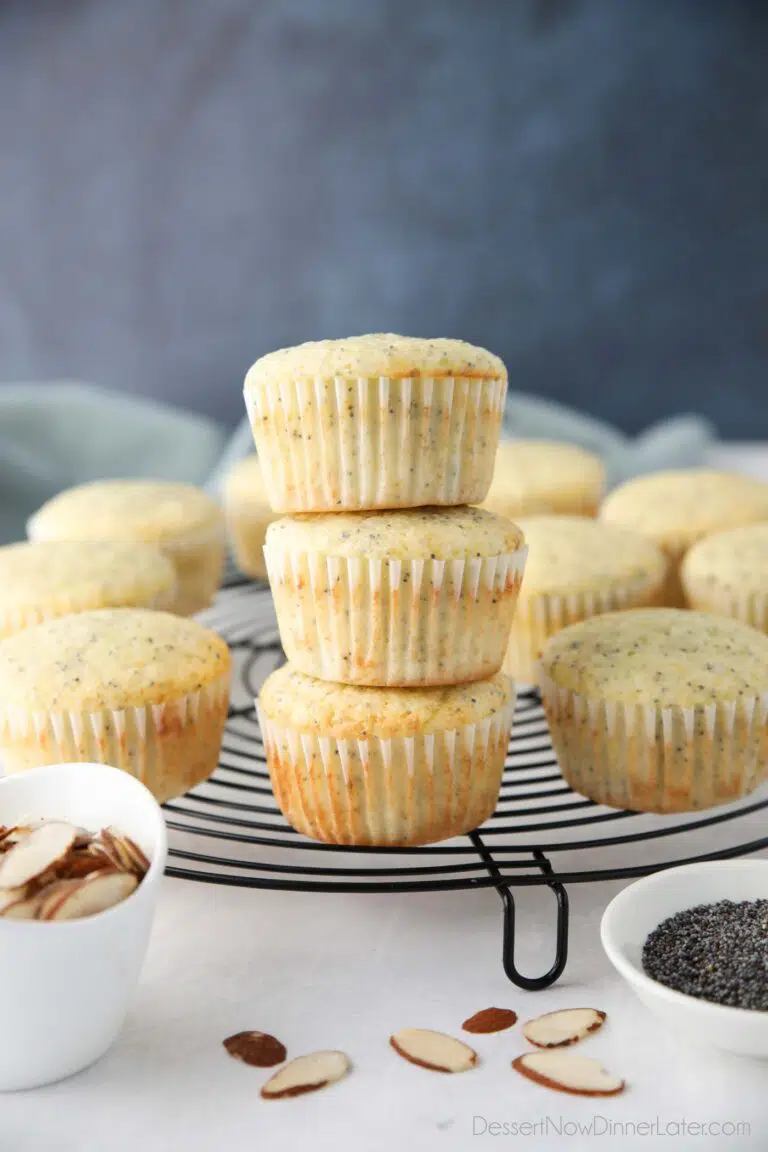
(82, 852)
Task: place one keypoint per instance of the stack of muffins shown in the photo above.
(390, 722)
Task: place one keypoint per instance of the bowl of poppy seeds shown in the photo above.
(692, 943)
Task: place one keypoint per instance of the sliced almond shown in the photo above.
(567, 1072)
(96, 894)
(36, 854)
(258, 1049)
(82, 838)
(558, 1029)
(26, 909)
(306, 1074)
(128, 851)
(10, 896)
(106, 843)
(15, 833)
(54, 894)
(433, 1050)
(78, 865)
(490, 1020)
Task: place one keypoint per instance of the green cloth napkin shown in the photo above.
(55, 435)
(59, 434)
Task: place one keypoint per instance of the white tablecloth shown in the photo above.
(345, 971)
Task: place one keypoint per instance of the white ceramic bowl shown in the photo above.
(65, 987)
(639, 908)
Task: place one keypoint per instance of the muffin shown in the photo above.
(675, 509)
(658, 709)
(728, 574)
(248, 514)
(56, 577)
(395, 599)
(144, 691)
(577, 568)
(378, 421)
(541, 476)
(180, 519)
(384, 766)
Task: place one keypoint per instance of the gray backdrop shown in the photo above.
(581, 186)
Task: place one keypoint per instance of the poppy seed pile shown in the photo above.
(716, 952)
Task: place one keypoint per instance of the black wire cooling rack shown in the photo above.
(230, 830)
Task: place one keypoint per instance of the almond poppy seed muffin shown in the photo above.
(577, 568)
(658, 709)
(384, 766)
(401, 599)
(728, 574)
(375, 422)
(141, 690)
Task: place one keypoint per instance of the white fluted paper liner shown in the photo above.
(541, 615)
(337, 444)
(406, 790)
(394, 623)
(652, 759)
(27, 615)
(169, 746)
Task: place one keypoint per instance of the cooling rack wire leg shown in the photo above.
(536, 983)
(530, 983)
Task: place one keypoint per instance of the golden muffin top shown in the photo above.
(289, 698)
(156, 511)
(111, 658)
(576, 554)
(661, 657)
(378, 354)
(733, 561)
(677, 508)
(410, 534)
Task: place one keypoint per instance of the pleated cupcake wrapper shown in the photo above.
(540, 615)
(127, 738)
(15, 619)
(403, 789)
(329, 444)
(648, 758)
(369, 620)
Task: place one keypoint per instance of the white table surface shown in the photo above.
(328, 971)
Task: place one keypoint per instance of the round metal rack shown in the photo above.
(230, 830)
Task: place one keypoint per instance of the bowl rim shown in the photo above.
(160, 846)
(634, 974)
